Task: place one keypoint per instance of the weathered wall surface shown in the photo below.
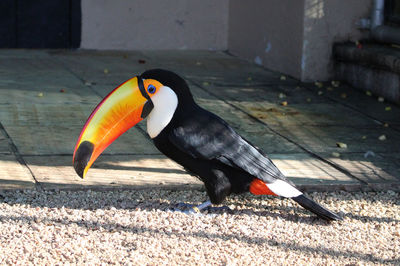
(154, 24)
(327, 22)
(293, 37)
(269, 32)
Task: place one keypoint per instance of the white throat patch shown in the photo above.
(165, 103)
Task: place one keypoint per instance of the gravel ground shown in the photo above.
(135, 227)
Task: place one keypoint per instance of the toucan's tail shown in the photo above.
(314, 207)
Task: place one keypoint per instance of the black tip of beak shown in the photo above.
(82, 157)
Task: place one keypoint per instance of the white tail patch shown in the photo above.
(284, 189)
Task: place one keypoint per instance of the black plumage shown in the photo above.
(208, 147)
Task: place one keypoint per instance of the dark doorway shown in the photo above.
(392, 12)
(40, 23)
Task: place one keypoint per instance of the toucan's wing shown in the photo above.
(207, 136)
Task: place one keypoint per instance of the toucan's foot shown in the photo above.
(192, 209)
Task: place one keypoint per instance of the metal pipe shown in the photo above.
(379, 31)
(377, 16)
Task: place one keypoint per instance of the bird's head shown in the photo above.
(156, 95)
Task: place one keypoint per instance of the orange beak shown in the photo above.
(120, 110)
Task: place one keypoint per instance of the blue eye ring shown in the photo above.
(151, 89)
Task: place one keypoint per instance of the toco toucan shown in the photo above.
(197, 139)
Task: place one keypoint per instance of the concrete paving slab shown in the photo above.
(108, 67)
(375, 169)
(255, 132)
(4, 145)
(309, 172)
(275, 94)
(30, 114)
(358, 140)
(141, 171)
(319, 114)
(23, 53)
(369, 105)
(216, 68)
(270, 110)
(47, 94)
(61, 139)
(37, 73)
(117, 171)
(13, 175)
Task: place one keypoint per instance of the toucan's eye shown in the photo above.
(151, 89)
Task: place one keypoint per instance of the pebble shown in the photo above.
(341, 145)
(382, 137)
(335, 83)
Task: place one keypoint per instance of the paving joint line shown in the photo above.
(59, 61)
(337, 167)
(18, 156)
(374, 119)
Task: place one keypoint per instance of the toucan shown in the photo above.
(203, 143)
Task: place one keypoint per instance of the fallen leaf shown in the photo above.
(62, 90)
(40, 94)
(284, 103)
(388, 108)
(105, 71)
(382, 137)
(341, 145)
(335, 83)
(364, 137)
(368, 93)
(343, 95)
(386, 125)
(335, 154)
(318, 84)
(205, 83)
